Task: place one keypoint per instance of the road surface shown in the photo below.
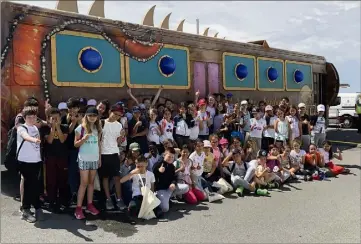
(307, 212)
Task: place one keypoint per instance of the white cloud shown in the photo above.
(329, 28)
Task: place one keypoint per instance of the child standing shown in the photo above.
(205, 120)
(112, 135)
(87, 139)
(166, 126)
(318, 126)
(154, 130)
(56, 160)
(258, 124)
(29, 160)
(282, 129)
(295, 123)
(219, 117)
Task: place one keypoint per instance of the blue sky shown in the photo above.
(329, 28)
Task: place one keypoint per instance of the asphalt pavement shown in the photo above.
(306, 212)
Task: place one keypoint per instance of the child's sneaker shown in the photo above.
(120, 204)
(79, 213)
(109, 204)
(239, 191)
(262, 192)
(92, 210)
(273, 185)
(27, 216)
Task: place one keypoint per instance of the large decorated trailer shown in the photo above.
(56, 54)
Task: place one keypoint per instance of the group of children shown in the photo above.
(195, 152)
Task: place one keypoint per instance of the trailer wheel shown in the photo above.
(347, 122)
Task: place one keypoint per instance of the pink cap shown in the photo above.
(223, 141)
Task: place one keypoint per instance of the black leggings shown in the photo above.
(30, 173)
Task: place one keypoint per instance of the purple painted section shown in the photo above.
(199, 78)
(213, 78)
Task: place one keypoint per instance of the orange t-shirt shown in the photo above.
(309, 158)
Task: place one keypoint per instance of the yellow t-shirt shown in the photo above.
(208, 162)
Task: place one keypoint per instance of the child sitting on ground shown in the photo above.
(275, 169)
(209, 165)
(183, 172)
(313, 162)
(286, 164)
(328, 154)
(140, 177)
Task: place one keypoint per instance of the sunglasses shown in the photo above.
(168, 130)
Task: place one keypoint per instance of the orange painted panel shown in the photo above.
(26, 49)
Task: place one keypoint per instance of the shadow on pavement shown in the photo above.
(9, 183)
(351, 166)
(62, 222)
(116, 223)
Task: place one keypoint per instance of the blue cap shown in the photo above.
(229, 95)
(236, 134)
(136, 109)
(120, 103)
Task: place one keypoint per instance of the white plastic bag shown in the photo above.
(213, 196)
(150, 202)
(96, 182)
(224, 186)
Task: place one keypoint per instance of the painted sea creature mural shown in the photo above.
(54, 55)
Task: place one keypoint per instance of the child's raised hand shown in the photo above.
(161, 169)
(135, 171)
(338, 150)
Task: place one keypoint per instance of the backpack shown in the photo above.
(11, 154)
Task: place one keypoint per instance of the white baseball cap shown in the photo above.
(244, 102)
(92, 102)
(301, 105)
(62, 106)
(207, 143)
(142, 106)
(320, 108)
(268, 108)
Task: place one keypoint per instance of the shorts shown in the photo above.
(88, 165)
(110, 165)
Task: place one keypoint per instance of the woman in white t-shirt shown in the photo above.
(29, 161)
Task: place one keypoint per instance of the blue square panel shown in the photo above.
(239, 72)
(169, 68)
(298, 75)
(85, 60)
(270, 73)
